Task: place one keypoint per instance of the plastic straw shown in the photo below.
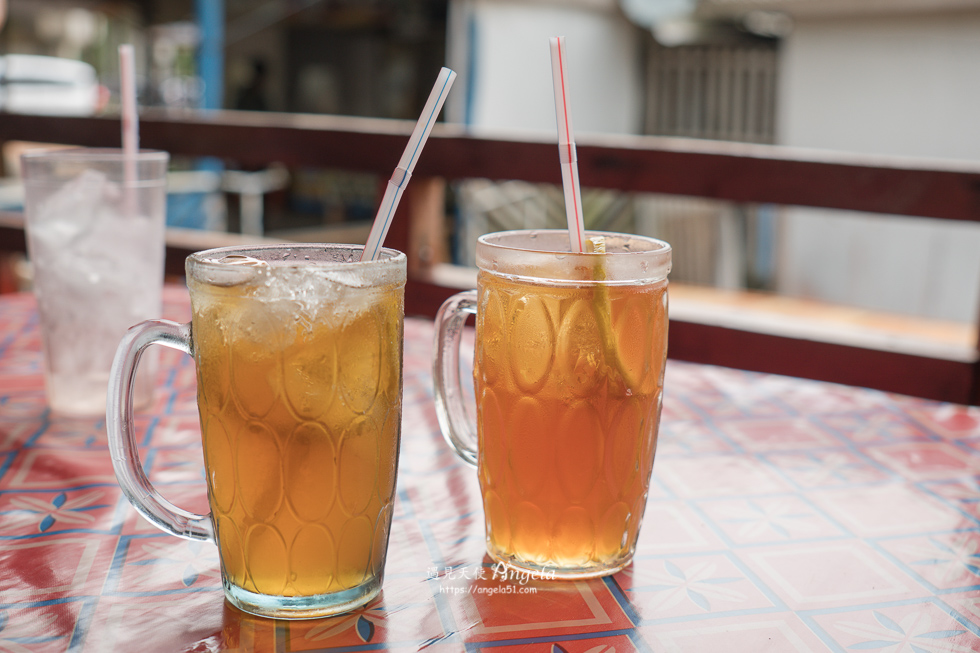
(566, 147)
(130, 120)
(403, 172)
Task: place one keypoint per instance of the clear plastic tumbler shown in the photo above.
(95, 238)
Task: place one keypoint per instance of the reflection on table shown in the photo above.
(784, 515)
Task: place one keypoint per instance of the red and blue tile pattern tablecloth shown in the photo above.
(784, 515)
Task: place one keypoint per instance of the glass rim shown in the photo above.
(201, 263)
(662, 247)
(108, 154)
(205, 269)
(544, 255)
(205, 256)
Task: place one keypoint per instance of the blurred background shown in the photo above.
(883, 77)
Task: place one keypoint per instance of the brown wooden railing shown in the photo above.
(728, 171)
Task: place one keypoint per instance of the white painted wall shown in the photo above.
(500, 51)
(883, 85)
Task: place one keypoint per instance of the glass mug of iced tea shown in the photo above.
(298, 351)
(568, 373)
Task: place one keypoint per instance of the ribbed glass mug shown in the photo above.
(299, 358)
(568, 373)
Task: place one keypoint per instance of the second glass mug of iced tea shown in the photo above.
(568, 373)
(299, 371)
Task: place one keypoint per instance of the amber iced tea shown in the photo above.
(298, 352)
(567, 424)
(569, 369)
(300, 411)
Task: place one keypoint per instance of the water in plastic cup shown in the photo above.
(95, 237)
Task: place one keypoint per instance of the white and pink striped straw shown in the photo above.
(130, 120)
(403, 172)
(566, 147)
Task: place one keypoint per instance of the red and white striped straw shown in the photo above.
(130, 118)
(566, 147)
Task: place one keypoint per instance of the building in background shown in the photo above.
(501, 52)
(354, 57)
(889, 77)
(634, 68)
(893, 77)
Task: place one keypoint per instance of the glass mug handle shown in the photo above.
(122, 433)
(453, 421)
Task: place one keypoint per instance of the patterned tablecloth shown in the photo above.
(784, 515)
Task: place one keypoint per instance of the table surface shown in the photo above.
(784, 515)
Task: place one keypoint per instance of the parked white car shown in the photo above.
(47, 85)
